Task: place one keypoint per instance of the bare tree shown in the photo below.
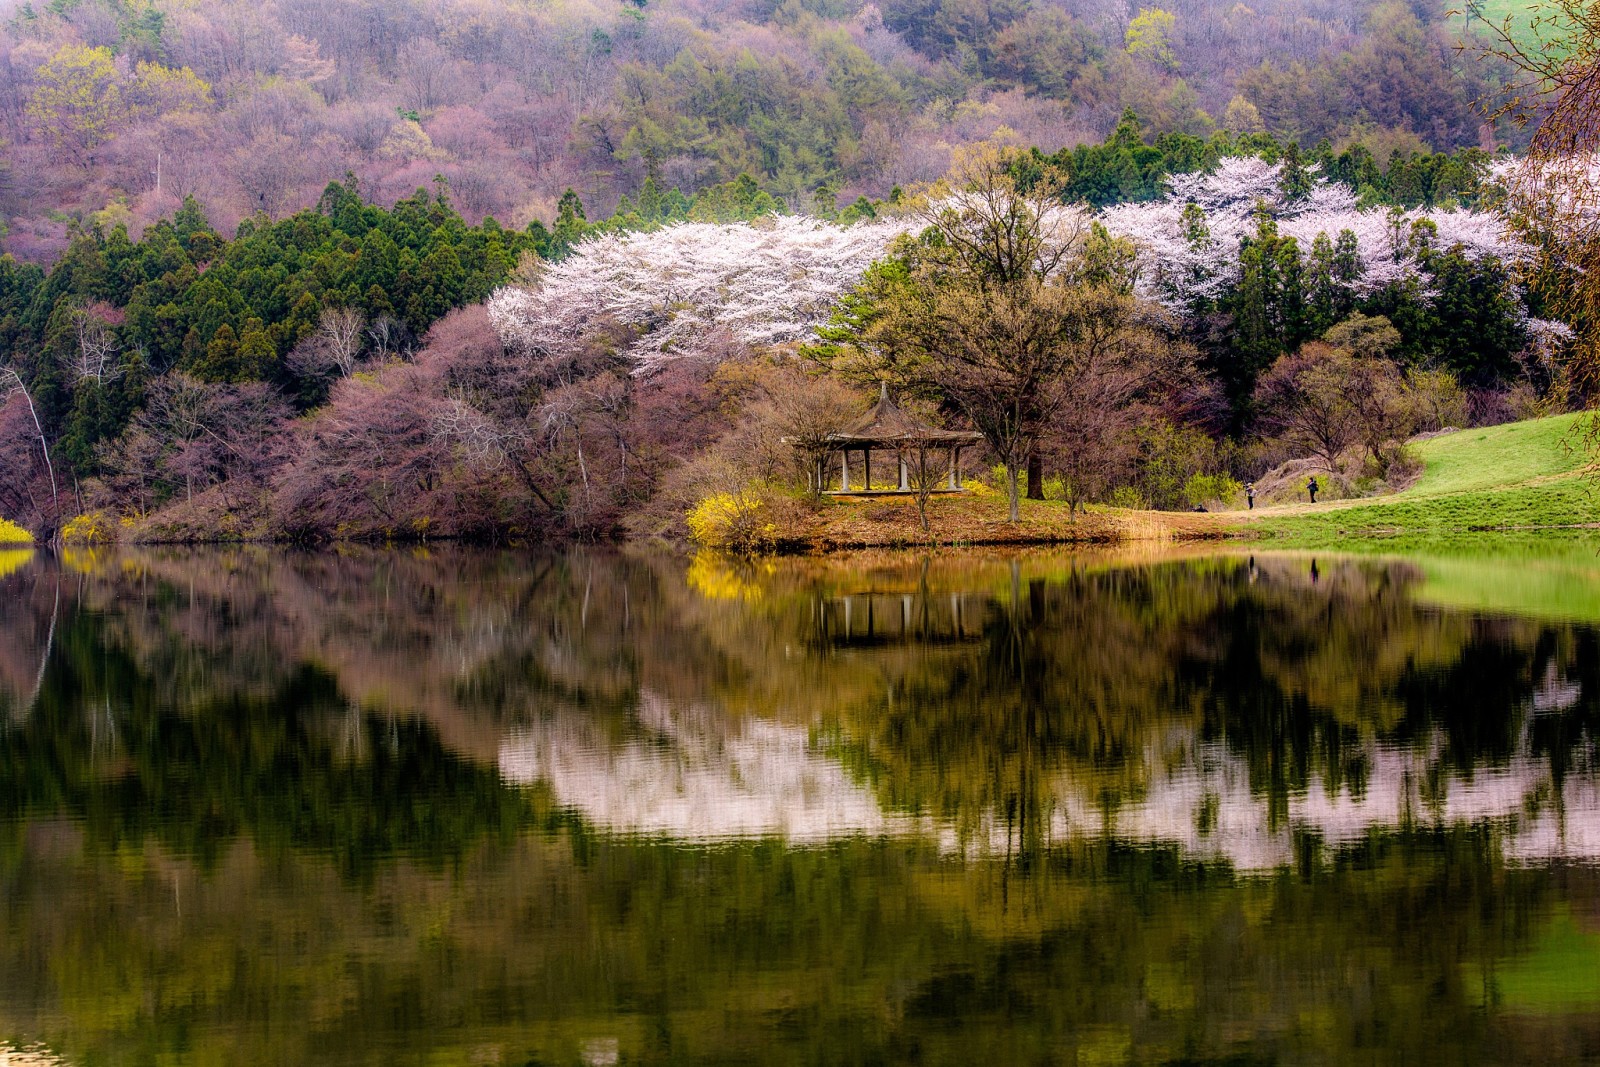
(1305, 401)
(389, 336)
(926, 468)
(334, 347)
(488, 443)
(98, 347)
(17, 387)
(193, 431)
(1554, 193)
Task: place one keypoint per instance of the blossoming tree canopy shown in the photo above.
(766, 283)
(1189, 240)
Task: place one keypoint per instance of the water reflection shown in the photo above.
(1234, 706)
(394, 806)
(690, 774)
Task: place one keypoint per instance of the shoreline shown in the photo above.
(1099, 531)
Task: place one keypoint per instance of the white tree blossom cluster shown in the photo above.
(1188, 241)
(766, 283)
(691, 288)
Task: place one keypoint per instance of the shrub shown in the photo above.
(1202, 489)
(90, 528)
(737, 522)
(1126, 496)
(1396, 465)
(12, 534)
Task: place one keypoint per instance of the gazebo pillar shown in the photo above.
(866, 469)
(905, 481)
(955, 461)
(844, 470)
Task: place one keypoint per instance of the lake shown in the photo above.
(454, 806)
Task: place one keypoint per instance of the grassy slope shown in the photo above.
(1522, 476)
(1496, 12)
(1525, 475)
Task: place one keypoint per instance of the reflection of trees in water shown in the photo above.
(30, 605)
(300, 723)
(1098, 700)
(1223, 704)
(292, 769)
(530, 947)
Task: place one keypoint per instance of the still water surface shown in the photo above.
(467, 807)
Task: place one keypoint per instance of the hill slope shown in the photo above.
(1523, 475)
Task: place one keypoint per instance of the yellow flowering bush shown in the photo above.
(734, 521)
(12, 534)
(90, 528)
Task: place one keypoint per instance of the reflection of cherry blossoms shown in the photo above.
(767, 283)
(695, 773)
(1189, 241)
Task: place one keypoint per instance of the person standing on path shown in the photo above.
(1311, 487)
(1250, 494)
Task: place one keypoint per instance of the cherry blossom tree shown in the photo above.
(767, 283)
(1188, 241)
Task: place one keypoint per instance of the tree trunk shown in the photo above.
(1011, 489)
(1035, 475)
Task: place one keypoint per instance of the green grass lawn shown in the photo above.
(1497, 456)
(1524, 475)
(1495, 12)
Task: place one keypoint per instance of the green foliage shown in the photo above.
(1149, 37)
(1132, 163)
(80, 99)
(1170, 457)
(229, 311)
(77, 98)
(739, 200)
(1202, 489)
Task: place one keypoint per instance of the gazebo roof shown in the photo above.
(885, 424)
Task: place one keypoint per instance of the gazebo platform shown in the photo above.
(888, 429)
(873, 494)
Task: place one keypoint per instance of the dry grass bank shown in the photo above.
(980, 519)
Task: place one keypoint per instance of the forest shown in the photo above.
(116, 110)
(599, 309)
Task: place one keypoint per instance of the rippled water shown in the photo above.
(471, 807)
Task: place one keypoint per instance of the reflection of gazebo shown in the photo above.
(887, 428)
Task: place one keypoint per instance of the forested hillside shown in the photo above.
(406, 269)
(116, 110)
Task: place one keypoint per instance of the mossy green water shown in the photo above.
(1551, 575)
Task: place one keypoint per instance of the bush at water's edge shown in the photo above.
(12, 534)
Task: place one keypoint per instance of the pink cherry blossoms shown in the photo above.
(767, 283)
(691, 289)
(1188, 242)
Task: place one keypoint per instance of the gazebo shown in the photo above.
(887, 428)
